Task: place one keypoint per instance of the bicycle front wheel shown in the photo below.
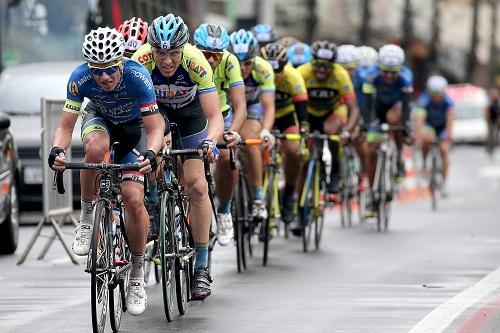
(267, 224)
(99, 257)
(307, 206)
(184, 263)
(319, 202)
(167, 255)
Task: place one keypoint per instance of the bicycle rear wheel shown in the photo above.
(380, 197)
(240, 214)
(121, 259)
(99, 256)
(434, 181)
(167, 254)
(321, 204)
(307, 206)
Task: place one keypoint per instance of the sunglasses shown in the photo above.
(99, 71)
(389, 72)
(322, 64)
(215, 55)
(389, 69)
(174, 53)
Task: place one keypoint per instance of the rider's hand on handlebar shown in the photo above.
(57, 159)
(268, 138)
(147, 161)
(345, 136)
(232, 138)
(213, 151)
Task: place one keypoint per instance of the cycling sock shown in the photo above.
(86, 213)
(257, 193)
(224, 207)
(201, 255)
(152, 197)
(137, 270)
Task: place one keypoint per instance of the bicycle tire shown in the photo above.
(433, 182)
(270, 214)
(167, 255)
(99, 263)
(120, 252)
(381, 193)
(239, 225)
(320, 218)
(307, 207)
(184, 269)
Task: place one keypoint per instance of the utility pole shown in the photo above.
(366, 15)
(435, 38)
(472, 57)
(407, 25)
(311, 20)
(493, 64)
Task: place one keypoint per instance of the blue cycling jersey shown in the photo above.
(132, 98)
(389, 94)
(435, 112)
(357, 81)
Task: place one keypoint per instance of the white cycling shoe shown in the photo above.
(81, 242)
(225, 232)
(137, 299)
(259, 211)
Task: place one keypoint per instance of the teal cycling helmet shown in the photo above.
(243, 45)
(168, 32)
(299, 53)
(211, 37)
(264, 33)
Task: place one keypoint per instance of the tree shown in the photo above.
(311, 20)
(366, 15)
(493, 45)
(472, 57)
(435, 37)
(407, 25)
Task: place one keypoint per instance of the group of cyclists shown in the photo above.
(225, 86)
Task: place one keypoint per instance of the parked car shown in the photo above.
(469, 125)
(21, 89)
(9, 185)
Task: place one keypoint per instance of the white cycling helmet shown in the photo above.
(367, 55)
(391, 56)
(436, 84)
(347, 56)
(103, 45)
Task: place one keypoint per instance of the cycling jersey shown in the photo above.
(193, 76)
(290, 89)
(387, 95)
(328, 95)
(227, 75)
(132, 98)
(261, 80)
(435, 113)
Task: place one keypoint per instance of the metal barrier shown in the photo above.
(57, 208)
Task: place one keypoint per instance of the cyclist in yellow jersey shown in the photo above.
(186, 94)
(258, 77)
(332, 103)
(213, 41)
(291, 110)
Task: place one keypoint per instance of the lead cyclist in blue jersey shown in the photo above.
(122, 108)
(387, 89)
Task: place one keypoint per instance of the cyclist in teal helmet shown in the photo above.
(186, 95)
(213, 40)
(258, 77)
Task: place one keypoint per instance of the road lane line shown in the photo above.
(441, 317)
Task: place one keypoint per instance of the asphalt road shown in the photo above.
(431, 272)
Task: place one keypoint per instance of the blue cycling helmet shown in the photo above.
(168, 32)
(243, 45)
(299, 53)
(211, 37)
(264, 33)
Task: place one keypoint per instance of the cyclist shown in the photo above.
(367, 56)
(135, 33)
(122, 108)
(348, 57)
(436, 118)
(258, 77)
(291, 110)
(492, 114)
(264, 33)
(299, 54)
(186, 94)
(387, 89)
(213, 40)
(332, 103)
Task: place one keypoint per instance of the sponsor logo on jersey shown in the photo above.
(143, 78)
(72, 107)
(84, 79)
(73, 87)
(196, 68)
(298, 88)
(148, 57)
(322, 93)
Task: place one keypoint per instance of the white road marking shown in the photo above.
(441, 317)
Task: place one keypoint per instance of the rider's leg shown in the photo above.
(393, 118)
(333, 125)
(225, 180)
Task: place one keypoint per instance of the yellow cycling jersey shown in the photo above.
(327, 95)
(227, 75)
(193, 76)
(261, 80)
(290, 88)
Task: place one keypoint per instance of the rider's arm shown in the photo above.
(353, 114)
(64, 133)
(237, 95)
(154, 125)
(449, 123)
(405, 113)
(267, 99)
(211, 106)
